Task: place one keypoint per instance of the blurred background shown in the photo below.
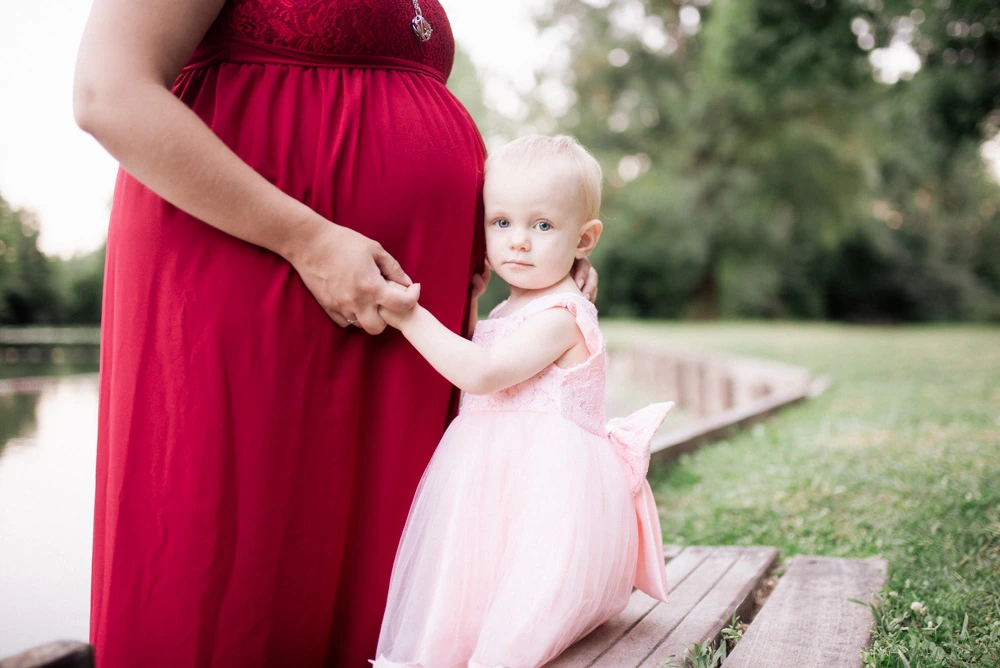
(822, 159)
(797, 179)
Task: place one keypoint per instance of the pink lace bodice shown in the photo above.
(342, 27)
(576, 393)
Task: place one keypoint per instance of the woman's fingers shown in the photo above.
(580, 269)
(480, 281)
(350, 276)
(370, 321)
(589, 289)
(390, 268)
(585, 277)
(338, 319)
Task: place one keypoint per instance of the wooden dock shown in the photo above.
(808, 621)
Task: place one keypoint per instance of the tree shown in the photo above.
(27, 293)
(748, 146)
(37, 289)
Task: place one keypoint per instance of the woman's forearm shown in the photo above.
(130, 54)
(163, 143)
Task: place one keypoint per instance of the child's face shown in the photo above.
(534, 217)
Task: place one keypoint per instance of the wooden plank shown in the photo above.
(671, 551)
(74, 335)
(665, 449)
(32, 384)
(646, 636)
(808, 619)
(714, 612)
(586, 650)
(58, 654)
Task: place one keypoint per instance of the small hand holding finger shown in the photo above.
(397, 302)
(397, 297)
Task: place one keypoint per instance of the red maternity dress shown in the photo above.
(255, 462)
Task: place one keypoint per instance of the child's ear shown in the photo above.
(590, 233)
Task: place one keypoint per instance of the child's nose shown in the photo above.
(519, 240)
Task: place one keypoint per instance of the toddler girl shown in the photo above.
(533, 520)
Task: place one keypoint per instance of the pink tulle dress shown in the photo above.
(532, 522)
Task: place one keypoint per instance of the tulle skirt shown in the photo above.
(521, 539)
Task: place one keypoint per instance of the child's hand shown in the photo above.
(397, 319)
(480, 281)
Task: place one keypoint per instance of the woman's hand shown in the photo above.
(349, 275)
(478, 287)
(585, 277)
(480, 281)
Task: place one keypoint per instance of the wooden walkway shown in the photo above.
(808, 621)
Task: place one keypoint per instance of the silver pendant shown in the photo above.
(421, 28)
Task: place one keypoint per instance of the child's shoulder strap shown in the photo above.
(581, 308)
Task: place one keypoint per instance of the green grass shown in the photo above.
(900, 458)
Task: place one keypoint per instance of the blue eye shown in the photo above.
(502, 223)
(544, 226)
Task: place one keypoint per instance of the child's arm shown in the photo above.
(517, 357)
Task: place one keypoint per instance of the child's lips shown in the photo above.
(518, 263)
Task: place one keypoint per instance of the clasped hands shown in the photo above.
(358, 283)
(583, 273)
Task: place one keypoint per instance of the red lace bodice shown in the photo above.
(345, 27)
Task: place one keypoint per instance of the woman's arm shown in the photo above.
(539, 342)
(131, 52)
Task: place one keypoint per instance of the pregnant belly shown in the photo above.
(389, 153)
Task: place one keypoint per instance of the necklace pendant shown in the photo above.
(422, 28)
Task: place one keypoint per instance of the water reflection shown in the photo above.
(47, 455)
(17, 415)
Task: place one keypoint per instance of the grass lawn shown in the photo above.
(900, 458)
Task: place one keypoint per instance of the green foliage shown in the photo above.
(899, 458)
(754, 162)
(710, 654)
(27, 293)
(37, 289)
(465, 85)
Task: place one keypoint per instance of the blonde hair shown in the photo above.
(587, 170)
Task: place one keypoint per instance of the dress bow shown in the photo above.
(631, 436)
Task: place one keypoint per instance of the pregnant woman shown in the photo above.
(258, 450)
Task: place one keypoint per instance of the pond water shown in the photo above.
(48, 440)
